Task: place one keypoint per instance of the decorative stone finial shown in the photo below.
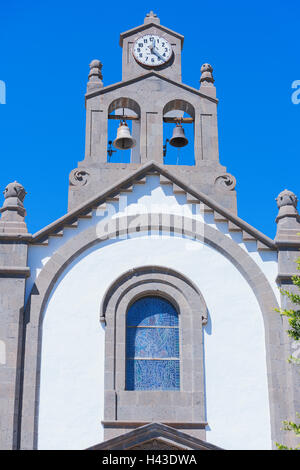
(206, 78)
(15, 190)
(288, 221)
(13, 211)
(151, 18)
(95, 75)
(286, 198)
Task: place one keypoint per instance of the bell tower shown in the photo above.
(151, 95)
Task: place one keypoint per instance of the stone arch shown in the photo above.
(181, 105)
(135, 125)
(132, 277)
(276, 361)
(124, 102)
(186, 107)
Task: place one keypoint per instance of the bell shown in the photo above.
(178, 138)
(124, 141)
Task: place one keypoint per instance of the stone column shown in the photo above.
(288, 242)
(206, 124)
(13, 272)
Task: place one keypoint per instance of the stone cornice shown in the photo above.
(174, 424)
(285, 277)
(14, 271)
(24, 237)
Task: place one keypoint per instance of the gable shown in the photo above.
(130, 183)
(144, 27)
(133, 85)
(151, 194)
(155, 436)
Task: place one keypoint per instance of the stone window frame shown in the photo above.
(129, 408)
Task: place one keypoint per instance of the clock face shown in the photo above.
(152, 50)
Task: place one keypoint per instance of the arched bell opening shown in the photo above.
(123, 131)
(178, 133)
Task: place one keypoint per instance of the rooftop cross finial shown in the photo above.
(151, 14)
(151, 17)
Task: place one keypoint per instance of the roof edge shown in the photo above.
(154, 431)
(114, 86)
(128, 181)
(144, 26)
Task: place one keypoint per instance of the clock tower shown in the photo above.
(150, 96)
(169, 67)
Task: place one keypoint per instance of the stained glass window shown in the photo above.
(152, 345)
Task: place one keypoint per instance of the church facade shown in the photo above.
(144, 318)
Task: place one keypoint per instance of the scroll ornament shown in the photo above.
(226, 182)
(79, 177)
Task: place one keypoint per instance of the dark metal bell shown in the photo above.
(178, 138)
(124, 141)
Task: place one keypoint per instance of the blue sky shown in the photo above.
(45, 51)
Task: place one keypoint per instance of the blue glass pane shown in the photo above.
(152, 311)
(152, 375)
(152, 342)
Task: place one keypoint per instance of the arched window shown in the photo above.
(119, 108)
(179, 111)
(152, 345)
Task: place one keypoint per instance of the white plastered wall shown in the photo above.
(71, 393)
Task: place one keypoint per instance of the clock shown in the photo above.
(152, 50)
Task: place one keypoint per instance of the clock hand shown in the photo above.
(154, 51)
(158, 55)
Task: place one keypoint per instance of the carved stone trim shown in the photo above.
(79, 177)
(9, 271)
(226, 182)
(158, 274)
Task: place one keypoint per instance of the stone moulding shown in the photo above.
(45, 282)
(9, 271)
(165, 436)
(133, 274)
